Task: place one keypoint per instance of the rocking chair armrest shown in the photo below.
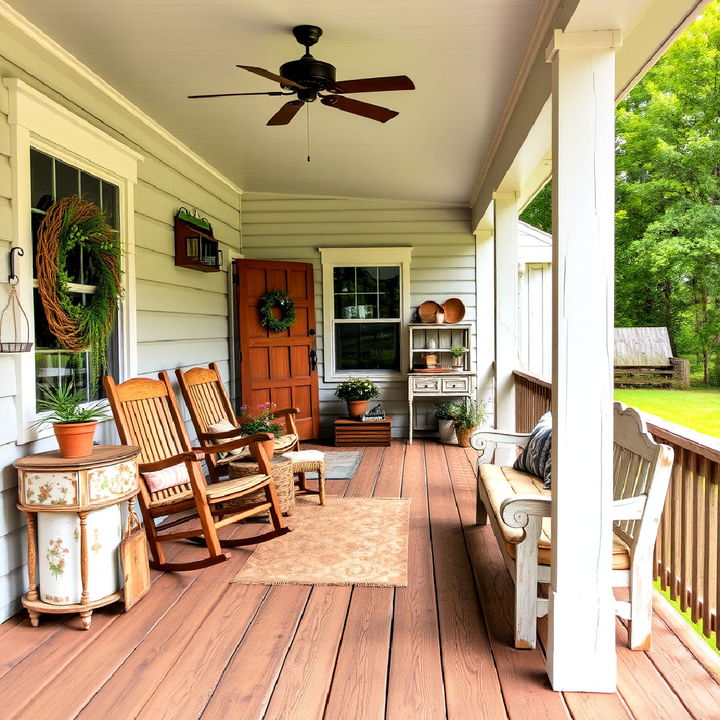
(234, 444)
(185, 457)
(218, 434)
(286, 411)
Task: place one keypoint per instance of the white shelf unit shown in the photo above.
(444, 384)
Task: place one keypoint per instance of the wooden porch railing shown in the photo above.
(687, 554)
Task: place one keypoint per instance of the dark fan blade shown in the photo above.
(272, 92)
(379, 84)
(286, 113)
(374, 112)
(271, 76)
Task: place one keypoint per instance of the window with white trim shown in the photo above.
(364, 307)
(52, 180)
(56, 153)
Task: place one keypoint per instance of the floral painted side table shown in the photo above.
(75, 504)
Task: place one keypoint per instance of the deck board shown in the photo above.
(441, 649)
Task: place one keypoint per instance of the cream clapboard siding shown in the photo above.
(285, 227)
(181, 314)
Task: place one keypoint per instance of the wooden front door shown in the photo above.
(278, 367)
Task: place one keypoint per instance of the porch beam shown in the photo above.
(581, 647)
(506, 307)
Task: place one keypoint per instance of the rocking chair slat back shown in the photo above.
(209, 401)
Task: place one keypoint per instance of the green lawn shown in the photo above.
(698, 409)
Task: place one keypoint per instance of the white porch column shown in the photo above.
(485, 302)
(581, 651)
(506, 307)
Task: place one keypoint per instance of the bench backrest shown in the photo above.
(641, 471)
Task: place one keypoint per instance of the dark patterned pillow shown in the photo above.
(536, 457)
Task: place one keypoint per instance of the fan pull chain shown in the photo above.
(307, 118)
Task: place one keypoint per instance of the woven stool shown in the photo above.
(283, 478)
(309, 461)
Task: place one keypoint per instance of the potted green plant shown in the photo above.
(470, 415)
(458, 356)
(357, 392)
(73, 420)
(446, 416)
(262, 423)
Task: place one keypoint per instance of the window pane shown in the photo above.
(389, 279)
(90, 188)
(367, 346)
(110, 204)
(367, 279)
(344, 279)
(67, 180)
(41, 180)
(367, 307)
(345, 307)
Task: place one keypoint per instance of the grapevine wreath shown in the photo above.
(70, 223)
(281, 300)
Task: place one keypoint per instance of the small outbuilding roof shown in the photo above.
(644, 346)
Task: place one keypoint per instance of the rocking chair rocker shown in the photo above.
(146, 414)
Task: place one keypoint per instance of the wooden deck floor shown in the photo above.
(198, 646)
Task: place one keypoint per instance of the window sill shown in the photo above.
(382, 376)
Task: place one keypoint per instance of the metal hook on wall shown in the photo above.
(12, 277)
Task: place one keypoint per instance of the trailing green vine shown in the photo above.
(69, 224)
(281, 300)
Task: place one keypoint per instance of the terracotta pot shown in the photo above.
(268, 446)
(463, 435)
(75, 439)
(357, 407)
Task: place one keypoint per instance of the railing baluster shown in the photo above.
(697, 547)
(707, 556)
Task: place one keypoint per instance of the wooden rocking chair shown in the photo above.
(208, 403)
(146, 414)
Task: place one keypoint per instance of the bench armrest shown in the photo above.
(486, 441)
(516, 511)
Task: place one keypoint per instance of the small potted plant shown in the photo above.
(470, 415)
(262, 423)
(458, 356)
(357, 392)
(73, 420)
(446, 414)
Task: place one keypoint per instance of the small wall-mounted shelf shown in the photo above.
(196, 249)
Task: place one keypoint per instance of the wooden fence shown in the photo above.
(687, 558)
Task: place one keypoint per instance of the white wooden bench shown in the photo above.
(519, 511)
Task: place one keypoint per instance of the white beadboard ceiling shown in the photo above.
(462, 55)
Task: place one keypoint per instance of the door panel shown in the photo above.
(276, 367)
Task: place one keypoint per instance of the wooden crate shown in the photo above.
(356, 432)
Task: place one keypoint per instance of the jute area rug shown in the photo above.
(348, 541)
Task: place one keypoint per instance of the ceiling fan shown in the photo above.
(308, 79)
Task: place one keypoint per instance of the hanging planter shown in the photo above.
(70, 223)
(13, 312)
(283, 302)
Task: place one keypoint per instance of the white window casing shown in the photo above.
(369, 256)
(36, 121)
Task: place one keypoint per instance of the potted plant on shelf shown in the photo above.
(458, 356)
(262, 423)
(357, 392)
(470, 415)
(73, 420)
(446, 414)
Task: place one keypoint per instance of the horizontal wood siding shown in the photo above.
(181, 314)
(293, 227)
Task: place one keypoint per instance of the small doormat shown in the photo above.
(341, 464)
(349, 541)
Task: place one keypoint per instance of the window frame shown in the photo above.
(377, 257)
(36, 121)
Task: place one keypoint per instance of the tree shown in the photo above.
(668, 196)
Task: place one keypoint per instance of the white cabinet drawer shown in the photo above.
(426, 384)
(456, 384)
